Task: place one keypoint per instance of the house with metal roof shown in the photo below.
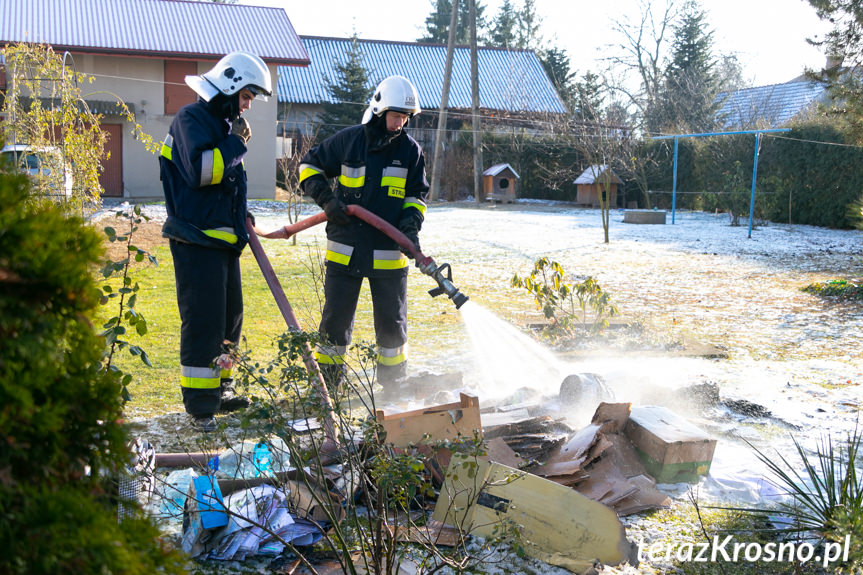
(773, 106)
(511, 82)
(139, 51)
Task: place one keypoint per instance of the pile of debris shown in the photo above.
(564, 489)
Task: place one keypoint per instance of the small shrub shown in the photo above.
(826, 497)
(568, 306)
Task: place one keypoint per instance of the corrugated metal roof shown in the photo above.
(509, 80)
(161, 28)
(775, 105)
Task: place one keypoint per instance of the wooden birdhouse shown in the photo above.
(498, 183)
(595, 180)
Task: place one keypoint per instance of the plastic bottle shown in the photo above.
(174, 490)
(262, 459)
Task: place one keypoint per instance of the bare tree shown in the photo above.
(288, 180)
(607, 145)
(642, 50)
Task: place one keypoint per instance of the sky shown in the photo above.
(768, 36)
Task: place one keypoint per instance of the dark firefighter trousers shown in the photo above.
(390, 310)
(210, 300)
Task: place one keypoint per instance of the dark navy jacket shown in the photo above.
(204, 180)
(389, 181)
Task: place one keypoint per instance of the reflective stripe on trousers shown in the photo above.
(200, 377)
(392, 355)
(330, 354)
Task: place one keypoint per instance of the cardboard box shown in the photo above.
(439, 422)
(556, 524)
(672, 449)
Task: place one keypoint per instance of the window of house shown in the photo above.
(177, 93)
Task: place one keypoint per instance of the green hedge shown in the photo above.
(803, 177)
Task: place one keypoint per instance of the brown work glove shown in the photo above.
(240, 128)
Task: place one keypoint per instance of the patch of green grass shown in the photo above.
(433, 323)
(841, 288)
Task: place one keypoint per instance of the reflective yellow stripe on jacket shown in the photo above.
(309, 170)
(200, 377)
(389, 260)
(353, 177)
(212, 167)
(393, 176)
(224, 234)
(415, 203)
(339, 253)
(167, 144)
(212, 164)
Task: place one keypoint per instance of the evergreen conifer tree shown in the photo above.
(349, 91)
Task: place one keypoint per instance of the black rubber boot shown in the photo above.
(335, 377)
(230, 400)
(395, 384)
(204, 423)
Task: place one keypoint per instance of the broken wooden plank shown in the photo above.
(539, 424)
(432, 533)
(495, 418)
(612, 417)
(441, 422)
(647, 496)
(498, 451)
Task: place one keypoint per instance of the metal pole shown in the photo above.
(706, 134)
(674, 184)
(444, 102)
(754, 174)
(477, 135)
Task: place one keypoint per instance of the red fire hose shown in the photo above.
(442, 274)
(284, 306)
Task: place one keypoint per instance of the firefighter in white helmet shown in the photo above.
(380, 167)
(201, 166)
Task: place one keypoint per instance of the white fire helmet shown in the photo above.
(231, 74)
(394, 93)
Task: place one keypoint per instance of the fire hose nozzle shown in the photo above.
(443, 276)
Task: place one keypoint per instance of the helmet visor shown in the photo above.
(259, 93)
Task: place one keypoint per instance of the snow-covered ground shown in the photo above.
(791, 352)
(796, 354)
